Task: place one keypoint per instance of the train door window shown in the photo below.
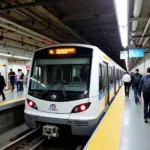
(100, 79)
(117, 74)
(103, 78)
(114, 77)
(110, 75)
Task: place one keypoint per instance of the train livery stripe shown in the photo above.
(107, 134)
(102, 94)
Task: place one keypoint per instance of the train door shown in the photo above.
(114, 80)
(106, 84)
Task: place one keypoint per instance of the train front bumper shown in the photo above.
(78, 127)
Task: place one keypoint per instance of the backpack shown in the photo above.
(137, 79)
(22, 75)
(146, 85)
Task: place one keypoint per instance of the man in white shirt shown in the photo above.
(126, 80)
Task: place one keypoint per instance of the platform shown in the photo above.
(107, 134)
(135, 132)
(122, 128)
(13, 99)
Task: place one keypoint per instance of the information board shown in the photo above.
(123, 54)
(136, 52)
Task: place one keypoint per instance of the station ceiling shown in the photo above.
(139, 36)
(26, 25)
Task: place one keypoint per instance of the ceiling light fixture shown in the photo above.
(121, 8)
(20, 57)
(7, 55)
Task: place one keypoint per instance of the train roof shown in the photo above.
(83, 45)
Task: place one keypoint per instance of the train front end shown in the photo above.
(58, 90)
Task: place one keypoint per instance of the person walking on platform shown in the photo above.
(12, 79)
(20, 78)
(126, 80)
(135, 84)
(145, 87)
(2, 86)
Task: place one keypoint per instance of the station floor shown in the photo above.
(122, 128)
(13, 95)
(135, 132)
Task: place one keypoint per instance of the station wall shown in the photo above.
(4, 68)
(15, 65)
(143, 64)
(6, 65)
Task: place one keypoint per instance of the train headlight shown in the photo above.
(81, 108)
(31, 104)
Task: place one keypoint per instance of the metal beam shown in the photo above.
(59, 22)
(138, 19)
(83, 15)
(27, 5)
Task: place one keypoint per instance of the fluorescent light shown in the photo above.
(121, 7)
(7, 55)
(22, 57)
(124, 36)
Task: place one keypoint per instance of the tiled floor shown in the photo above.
(135, 133)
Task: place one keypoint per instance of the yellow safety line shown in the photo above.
(108, 133)
(11, 101)
(7, 91)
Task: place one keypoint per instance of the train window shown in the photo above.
(100, 79)
(49, 74)
(110, 75)
(114, 77)
(117, 74)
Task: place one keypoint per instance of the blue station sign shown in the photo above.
(136, 52)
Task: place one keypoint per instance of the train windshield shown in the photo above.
(67, 74)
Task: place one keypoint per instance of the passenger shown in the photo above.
(126, 80)
(145, 87)
(20, 78)
(131, 75)
(12, 79)
(2, 86)
(135, 84)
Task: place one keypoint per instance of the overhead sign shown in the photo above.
(28, 67)
(123, 54)
(136, 52)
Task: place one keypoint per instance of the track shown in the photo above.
(26, 142)
(64, 143)
(34, 140)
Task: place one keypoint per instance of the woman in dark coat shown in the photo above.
(2, 86)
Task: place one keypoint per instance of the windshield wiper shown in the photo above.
(48, 88)
(62, 87)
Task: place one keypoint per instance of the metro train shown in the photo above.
(71, 86)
